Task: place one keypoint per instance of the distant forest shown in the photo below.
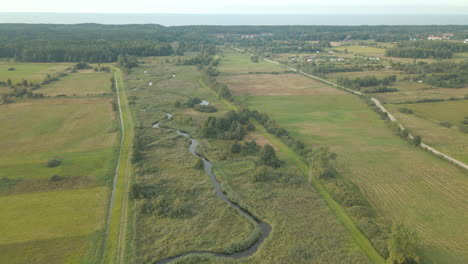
(104, 43)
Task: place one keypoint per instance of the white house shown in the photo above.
(466, 41)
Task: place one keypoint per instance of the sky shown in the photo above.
(241, 6)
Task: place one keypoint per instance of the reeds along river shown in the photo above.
(265, 228)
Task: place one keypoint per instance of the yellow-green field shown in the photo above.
(56, 214)
(80, 131)
(84, 82)
(29, 71)
(426, 121)
(232, 63)
(402, 182)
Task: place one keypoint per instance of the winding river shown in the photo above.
(265, 228)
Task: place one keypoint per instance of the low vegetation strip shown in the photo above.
(383, 109)
(114, 239)
(344, 218)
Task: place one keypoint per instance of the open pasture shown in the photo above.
(427, 119)
(50, 227)
(234, 63)
(81, 83)
(81, 132)
(275, 84)
(34, 72)
(402, 182)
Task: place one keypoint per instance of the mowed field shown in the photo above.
(81, 83)
(29, 71)
(402, 182)
(426, 121)
(55, 214)
(232, 63)
(275, 84)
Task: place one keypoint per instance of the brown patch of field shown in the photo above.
(258, 138)
(276, 84)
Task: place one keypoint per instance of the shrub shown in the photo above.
(11, 69)
(199, 164)
(445, 124)
(205, 108)
(405, 110)
(236, 147)
(55, 162)
(260, 174)
(56, 178)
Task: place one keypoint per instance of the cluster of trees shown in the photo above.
(245, 148)
(126, 61)
(221, 89)
(367, 81)
(232, 125)
(441, 73)
(373, 84)
(195, 103)
(424, 49)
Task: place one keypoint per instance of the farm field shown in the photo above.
(34, 72)
(427, 119)
(394, 176)
(81, 83)
(232, 63)
(55, 213)
(275, 84)
(292, 211)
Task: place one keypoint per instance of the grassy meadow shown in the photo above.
(232, 63)
(403, 183)
(34, 72)
(438, 124)
(293, 211)
(56, 214)
(81, 83)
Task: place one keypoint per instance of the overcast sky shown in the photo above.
(240, 6)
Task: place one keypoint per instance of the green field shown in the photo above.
(80, 131)
(233, 63)
(294, 211)
(55, 214)
(35, 72)
(426, 121)
(403, 183)
(81, 83)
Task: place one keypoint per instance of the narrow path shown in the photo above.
(379, 105)
(115, 227)
(264, 227)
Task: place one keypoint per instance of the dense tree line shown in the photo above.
(424, 49)
(441, 74)
(368, 81)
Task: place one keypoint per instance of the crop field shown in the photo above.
(293, 211)
(356, 50)
(396, 177)
(29, 71)
(55, 213)
(402, 182)
(413, 92)
(81, 83)
(275, 84)
(233, 63)
(379, 74)
(426, 121)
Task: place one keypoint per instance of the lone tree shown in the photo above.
(402, 245)
(236, 147)
(268, 157)
(417, 141)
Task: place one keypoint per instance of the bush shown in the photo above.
(55, 162)
(405, 110)
(11, 69)
(236, 147)
(56, 178)
(445, 124)
(268, 157)
(205, 108)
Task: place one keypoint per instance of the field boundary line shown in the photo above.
(115, 229)
(381, 107)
